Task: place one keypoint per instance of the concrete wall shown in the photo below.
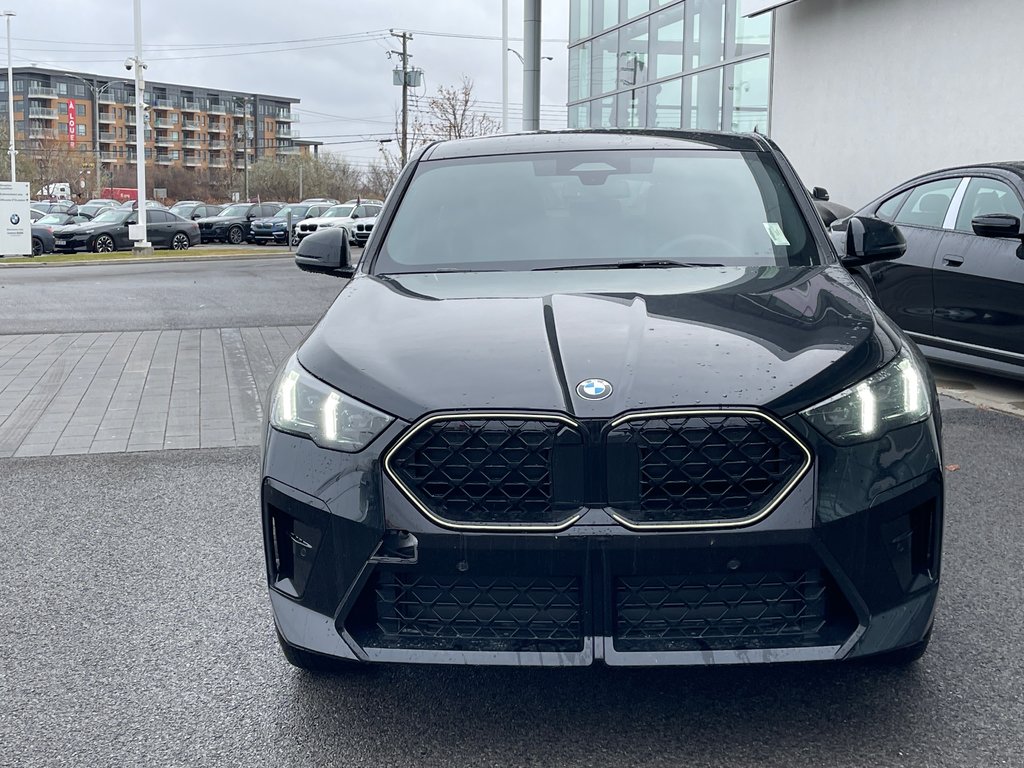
(867, 93)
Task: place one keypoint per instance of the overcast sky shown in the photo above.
(345, 85)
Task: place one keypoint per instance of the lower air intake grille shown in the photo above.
(472, 613)
(729, 612)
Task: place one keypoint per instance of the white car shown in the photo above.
(360, 231)
(345, 215)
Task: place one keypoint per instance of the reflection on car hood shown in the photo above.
(275, 220)
(220, 220)
(770, 337)
(71, 229)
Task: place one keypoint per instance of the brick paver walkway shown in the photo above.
(136, 391)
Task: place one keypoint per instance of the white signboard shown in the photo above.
(15, 219)
(754, 7)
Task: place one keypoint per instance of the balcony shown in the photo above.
(36, 132)
(190, 105)
(164, 159)
(163, 123)
(217, 109)
(288, 150)
(192, 144)
(283, 132)
(217, 163)
(163, 104)
(286, 117)
(217, 127)
(218, 144)
(189, 125)
(107, 136)
(192, 161)
(106, 97)
(111, 157)
(43, 113)
(165, 141)
(106, 117)
(42, 92)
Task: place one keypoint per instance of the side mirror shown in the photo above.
(326, 250)
(869, 240)
(196, 216)
(820, 193)
(996, 225)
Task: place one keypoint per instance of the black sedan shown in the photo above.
(42, 240)
(108, 232)
(957, 290)
(234, 223)
(665, 442)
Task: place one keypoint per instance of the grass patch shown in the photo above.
(191, 253)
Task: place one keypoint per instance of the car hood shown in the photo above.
(321, 220)
(72, 229)
(274, 220)
(221, 220)
(777, 338)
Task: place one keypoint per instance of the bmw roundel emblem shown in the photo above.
(15, 218)
(593, 389)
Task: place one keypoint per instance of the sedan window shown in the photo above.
(987, 196)
(887, 211)
(927, 204)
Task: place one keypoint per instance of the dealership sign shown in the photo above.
(15, 219)
(72, 123)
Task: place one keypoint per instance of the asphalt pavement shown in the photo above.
(220, 293)
(138, 633)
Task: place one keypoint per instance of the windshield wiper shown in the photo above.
(638, 264)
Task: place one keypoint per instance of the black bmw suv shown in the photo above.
(667, 429)
(234, 223)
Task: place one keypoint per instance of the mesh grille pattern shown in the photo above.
(728, 612)
(701, 468)
(485, 470)
(478, 613)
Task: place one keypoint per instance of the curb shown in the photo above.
(147, 260)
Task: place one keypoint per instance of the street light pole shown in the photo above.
(504, 66)
(10, 99)
(143, 245)
(531, 65)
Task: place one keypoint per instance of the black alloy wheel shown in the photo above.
(235, 235)
(37, 246)
(103, 244)
(180, 242)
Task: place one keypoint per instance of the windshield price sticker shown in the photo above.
(775, 233)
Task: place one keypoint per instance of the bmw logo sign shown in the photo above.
(15, 218)
(593, 389)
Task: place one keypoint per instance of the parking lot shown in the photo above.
(139, 630)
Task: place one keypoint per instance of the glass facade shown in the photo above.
(668, 64)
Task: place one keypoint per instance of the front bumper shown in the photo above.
(71, 243)
(846, 566)
(277, 235)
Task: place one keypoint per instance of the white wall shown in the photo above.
(868, 93)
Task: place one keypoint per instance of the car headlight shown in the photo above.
(894, 397)
(304, 405)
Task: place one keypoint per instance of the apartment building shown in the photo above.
(188, 126)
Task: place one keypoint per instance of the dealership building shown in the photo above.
(860, 94)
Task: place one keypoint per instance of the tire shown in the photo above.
(103, 244)
(235, 235)
(296, 240)
(314, 662)
(180, 242)
(37, 246)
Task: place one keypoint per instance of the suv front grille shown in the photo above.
(492, 471)
(690, 468)
(700, 612)
(464, 612)
(678, 469)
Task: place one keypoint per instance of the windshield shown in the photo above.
(338, 212)
(235, 210)
(181, 209)
(297, 211)
(53, 218)
(597, 210)
(111, 216)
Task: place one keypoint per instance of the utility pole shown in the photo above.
(504, 66)
(10, 99)
(244, 100)
(404, 53)
(531, 65)
(142, 246)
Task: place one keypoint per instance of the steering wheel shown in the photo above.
(716, 246)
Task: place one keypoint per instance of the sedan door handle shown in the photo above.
(952, 261)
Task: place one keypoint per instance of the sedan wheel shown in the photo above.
(37, 246)
(235, 235)
(103, 244)
(180, 242)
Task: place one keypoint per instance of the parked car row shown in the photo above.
(267, 222)
(108, 232)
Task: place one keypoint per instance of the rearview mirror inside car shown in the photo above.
(869, 240)
(996, 225)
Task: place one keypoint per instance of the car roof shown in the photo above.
(1015, 167)
(594, 139)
